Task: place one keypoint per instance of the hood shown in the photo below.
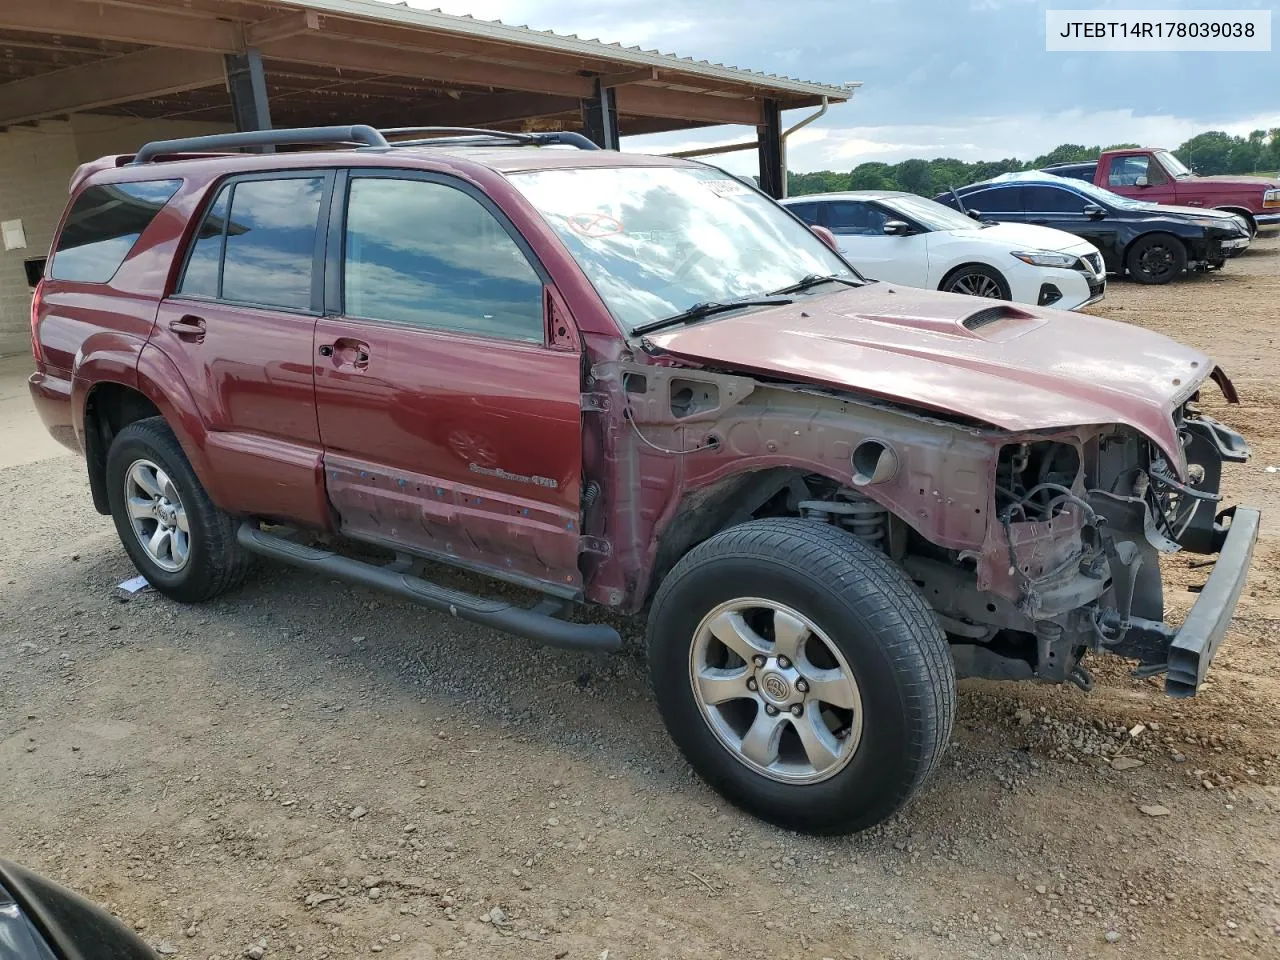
(1015, 367)
(1201, 212)
(1031, 237)
(1235, 180)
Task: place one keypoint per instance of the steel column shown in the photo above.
(769, 134)
(600, 118)
(247, 85)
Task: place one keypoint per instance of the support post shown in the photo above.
(772, 169)
(600, 118)
(247, 86)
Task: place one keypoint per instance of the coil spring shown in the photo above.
(865, 519)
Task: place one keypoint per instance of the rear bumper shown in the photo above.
(51, 396)
(1200, 635)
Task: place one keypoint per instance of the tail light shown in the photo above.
(36, 298)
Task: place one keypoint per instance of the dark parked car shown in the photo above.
(640, 383)
(1153, 243)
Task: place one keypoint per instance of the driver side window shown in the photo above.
(1125, 172)
(856, 218)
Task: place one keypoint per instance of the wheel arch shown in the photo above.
(1124, 253)
(969, 262)
(108, 407)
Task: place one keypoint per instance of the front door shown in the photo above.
(1139, 176)
(451, 427)
(859, 230)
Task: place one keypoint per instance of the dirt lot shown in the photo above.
(324, 772)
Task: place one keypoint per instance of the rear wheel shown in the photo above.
(976, 280)
(174, 534)
(1156, 258)
(802, 674)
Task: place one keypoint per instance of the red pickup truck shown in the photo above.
(1156, 175)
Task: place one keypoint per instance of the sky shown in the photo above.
(960, 78)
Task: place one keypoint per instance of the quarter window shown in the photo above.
(431, 255)
(104, 224)
(257, 244)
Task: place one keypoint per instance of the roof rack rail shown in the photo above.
(455, 135)
(360, 133)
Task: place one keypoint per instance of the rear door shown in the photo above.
(451, 426)
(239, 330)
(859, 230)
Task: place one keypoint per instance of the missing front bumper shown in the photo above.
(1186, 653)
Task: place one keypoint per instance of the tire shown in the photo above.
(864, 611)
(189, 566)
(976, 280)
(1156, 258)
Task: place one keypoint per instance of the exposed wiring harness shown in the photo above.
(709, 444)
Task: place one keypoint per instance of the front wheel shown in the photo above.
(802, 674)
(976, 280)
(1156, 259)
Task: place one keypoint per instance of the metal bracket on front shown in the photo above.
(598, 402)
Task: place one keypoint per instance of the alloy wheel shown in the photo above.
(157, 515)
(775, 690)
(976, 285)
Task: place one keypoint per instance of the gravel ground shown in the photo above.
(307, 769)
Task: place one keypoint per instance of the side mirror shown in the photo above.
(1094, 212)
(896, 228)
(826, 236)
(42, 919)
(1142, 182)
(974, 214)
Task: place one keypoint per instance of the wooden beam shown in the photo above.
(152, 26)
(281, 28)
(327, 50)
(628, 76)
(495, 108)
(135, 76)
(659, 102)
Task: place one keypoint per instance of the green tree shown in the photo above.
(871, 176)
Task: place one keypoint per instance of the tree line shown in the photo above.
(1209, 153)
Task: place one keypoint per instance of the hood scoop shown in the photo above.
(1000, 323)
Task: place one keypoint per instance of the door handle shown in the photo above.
(347, 352)
(188, 328)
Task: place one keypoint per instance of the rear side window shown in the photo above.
(808, 212)
(104, 223)
(257, 244)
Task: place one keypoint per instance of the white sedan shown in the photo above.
(906, 239)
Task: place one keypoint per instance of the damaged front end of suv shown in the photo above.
(1073, 562)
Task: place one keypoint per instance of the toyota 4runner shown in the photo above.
(635, 382)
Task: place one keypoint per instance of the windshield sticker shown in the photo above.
(594, 225)
(727, 188)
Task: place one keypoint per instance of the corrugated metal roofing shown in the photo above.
(496, 30)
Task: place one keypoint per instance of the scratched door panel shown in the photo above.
(453, 446)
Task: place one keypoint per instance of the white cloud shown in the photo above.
(830, 147)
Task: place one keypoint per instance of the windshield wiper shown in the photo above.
(812, 280)
(707, 309)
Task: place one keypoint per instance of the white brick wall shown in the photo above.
(36, 164)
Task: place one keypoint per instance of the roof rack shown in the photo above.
(360, 134)
(455, 135)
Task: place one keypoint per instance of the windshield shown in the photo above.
(655, 241)
(1175, 166)
(930, 214)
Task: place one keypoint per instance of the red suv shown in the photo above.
(637, 382)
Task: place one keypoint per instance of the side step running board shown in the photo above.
(498, 614)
